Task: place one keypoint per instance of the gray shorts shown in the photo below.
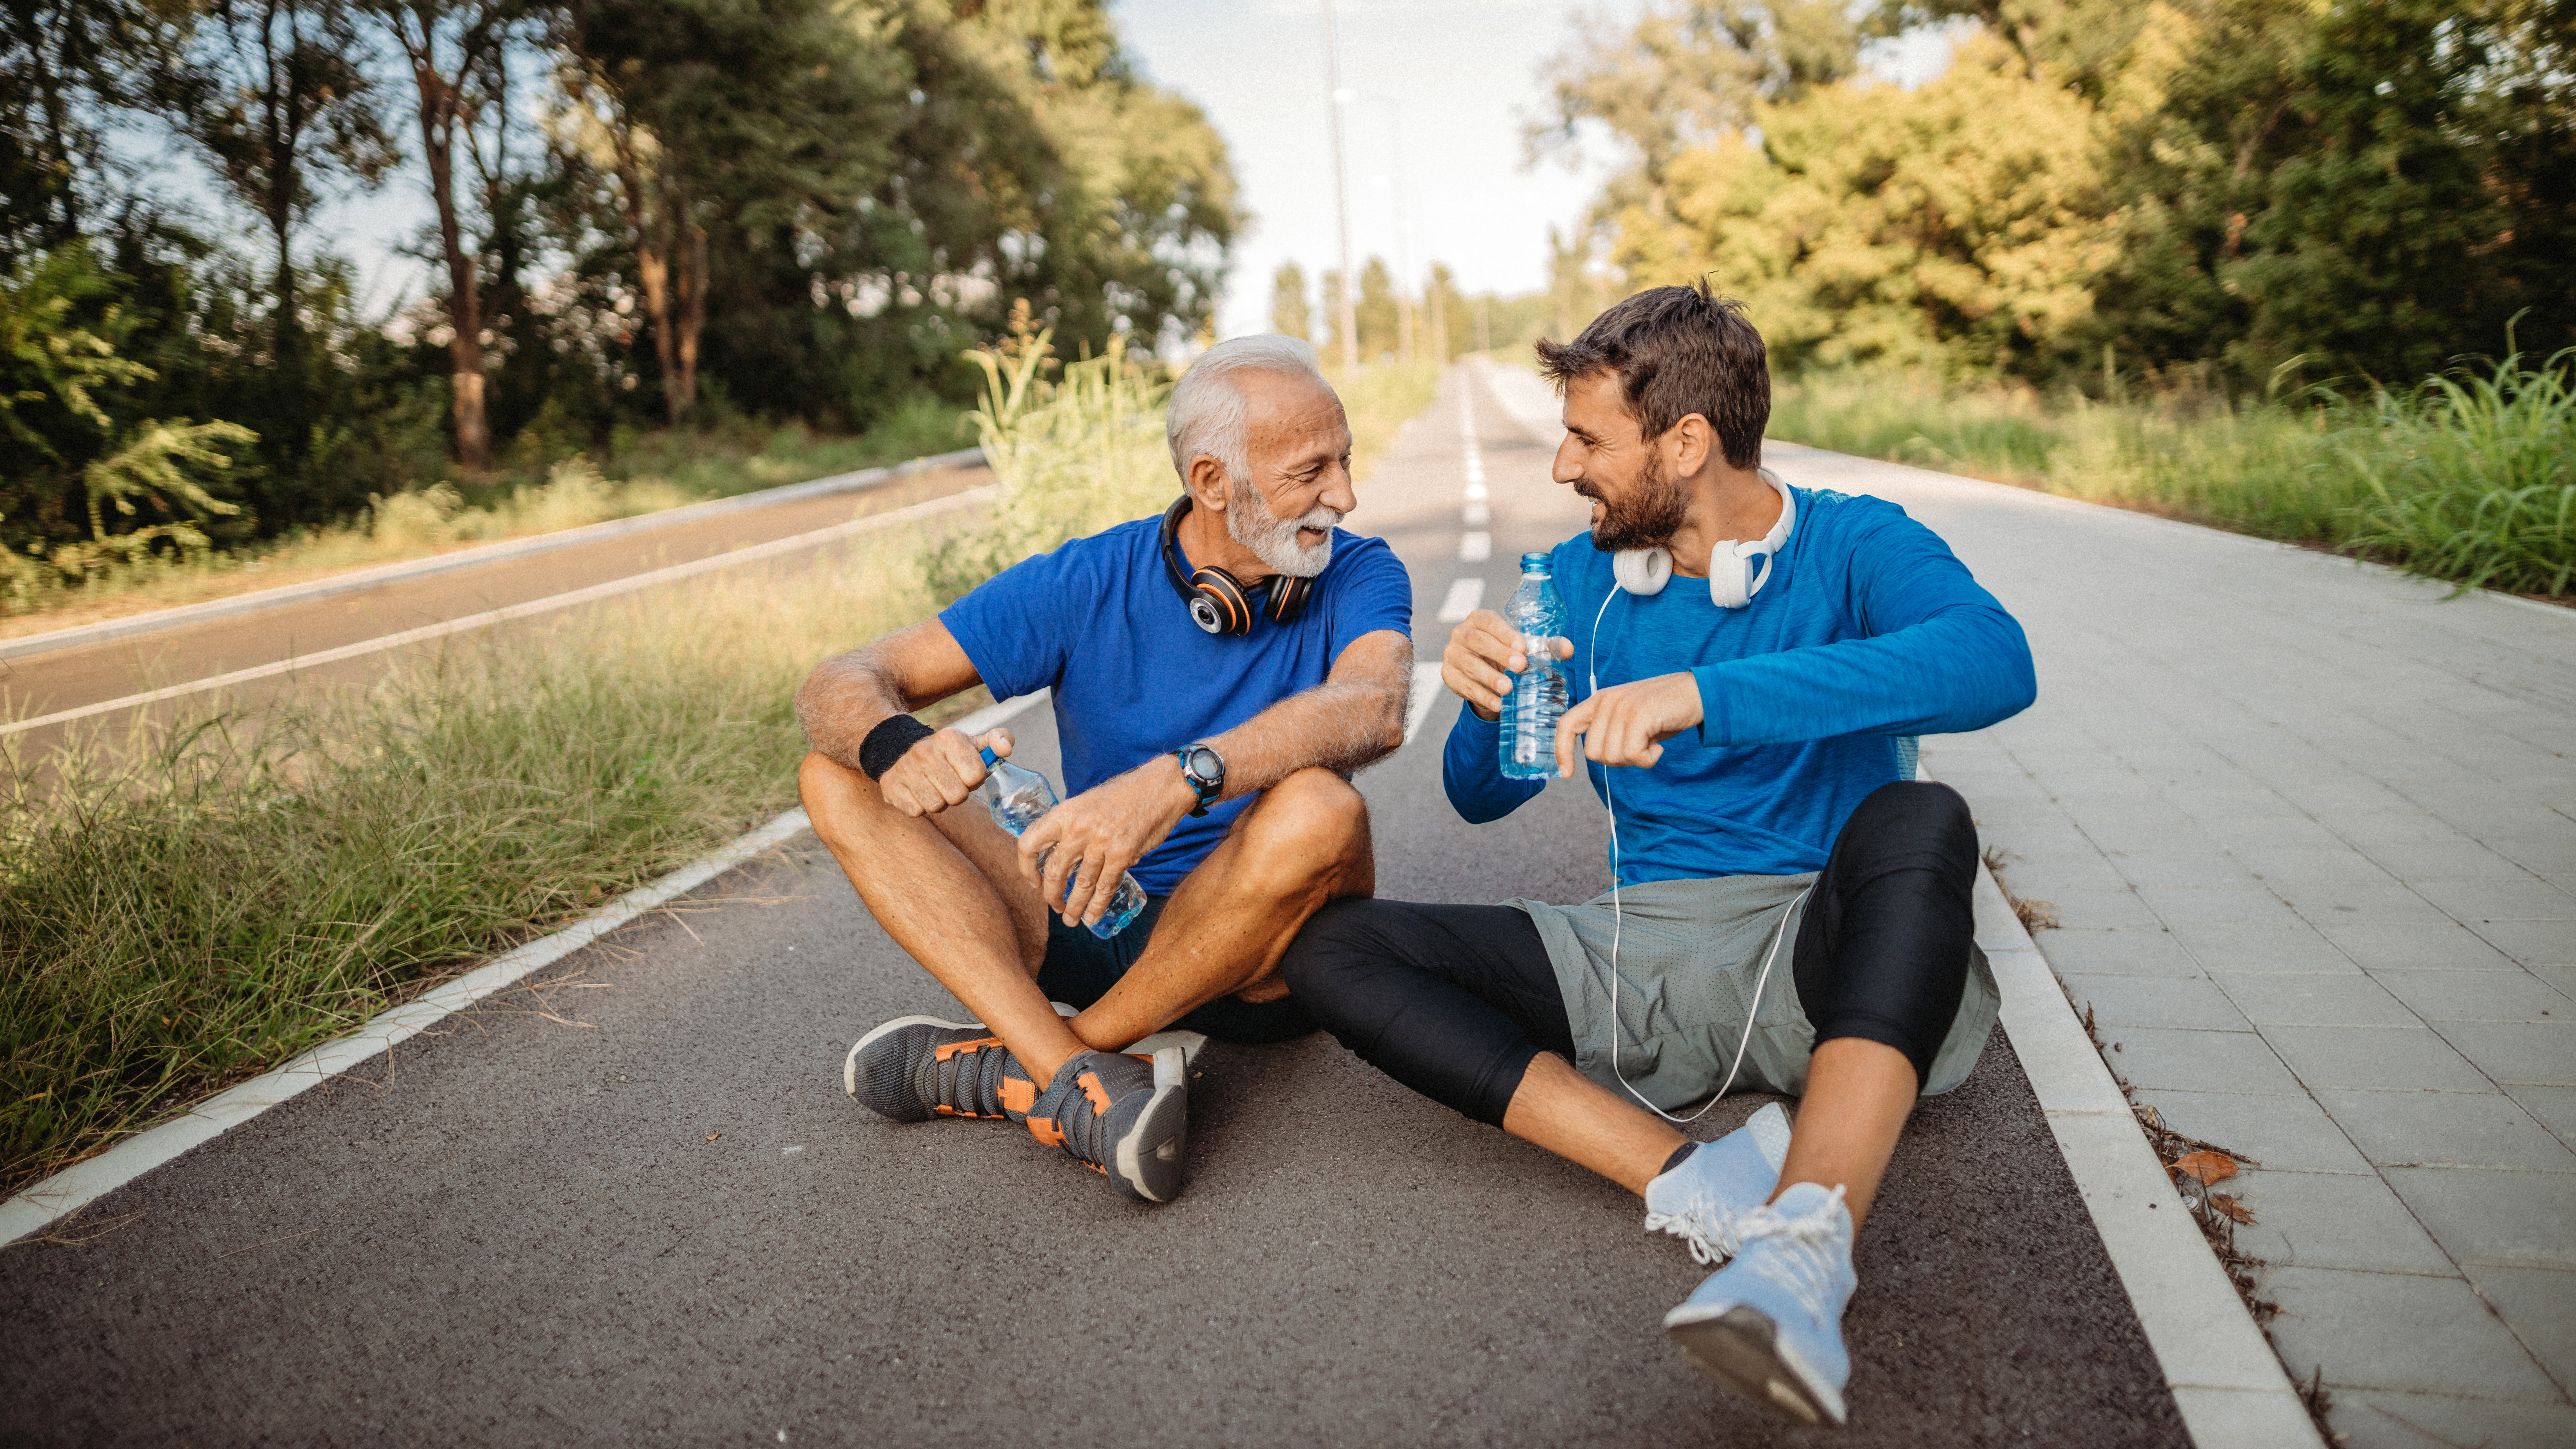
(1691, 956)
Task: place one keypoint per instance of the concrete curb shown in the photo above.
(2224, 1375)
(77, 1186)
(463, 558)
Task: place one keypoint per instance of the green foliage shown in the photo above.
(2369, 186)
(72, 449)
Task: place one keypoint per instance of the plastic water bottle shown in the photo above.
(1538, 694)
(1017, 798)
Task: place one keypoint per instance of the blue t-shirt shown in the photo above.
(1097, 621)
(1868, 628)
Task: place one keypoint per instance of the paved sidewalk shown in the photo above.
(2310, 834)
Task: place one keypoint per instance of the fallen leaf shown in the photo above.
(712, 1136)
(2207, 1167)
(2235, 1210)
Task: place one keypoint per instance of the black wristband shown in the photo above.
(893, 737)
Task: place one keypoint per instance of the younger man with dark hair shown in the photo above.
(1753, 719)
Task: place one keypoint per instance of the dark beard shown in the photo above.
(1648, 518)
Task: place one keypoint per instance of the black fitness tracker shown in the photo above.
(1204, 768)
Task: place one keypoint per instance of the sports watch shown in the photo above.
(1204, 768)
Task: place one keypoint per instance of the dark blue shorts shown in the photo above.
(1080, 968)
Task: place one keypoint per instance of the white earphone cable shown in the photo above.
(1752, 1013)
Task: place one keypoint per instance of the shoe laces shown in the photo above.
(1806, 1260)
(1712, 1231)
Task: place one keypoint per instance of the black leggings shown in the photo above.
(1454, 1001)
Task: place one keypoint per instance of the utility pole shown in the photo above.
(1347, 323)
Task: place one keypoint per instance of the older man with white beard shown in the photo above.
(1218, 673)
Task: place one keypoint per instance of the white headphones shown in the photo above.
(1647, 570)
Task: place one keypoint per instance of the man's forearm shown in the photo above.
(1341, 726)
(843, 700)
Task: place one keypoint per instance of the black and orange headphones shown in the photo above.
(1219, 602)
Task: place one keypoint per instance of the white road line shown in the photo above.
(1477, 516)
(1475, 547)
(1427, 691)
(520, 611)
(1464, 596)
(81, 1184)
(1475, 492)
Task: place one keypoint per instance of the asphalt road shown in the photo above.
(629, 1205)
(92, 673)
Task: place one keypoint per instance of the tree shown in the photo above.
(1685, 74)
(714, 115)
(64, 68)
(281, 103)
(1379, 321)
(1289, 313)
(451, 47)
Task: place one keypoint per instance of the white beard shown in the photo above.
(1273, 539)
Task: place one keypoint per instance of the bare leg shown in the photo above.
(1859, 1093)
(1304, 842)
(1858, 1096)
(1560, 1109)
(947, 889)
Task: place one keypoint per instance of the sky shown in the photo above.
(1451, 80)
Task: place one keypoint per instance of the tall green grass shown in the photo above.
(194, 903)
(2469, 477)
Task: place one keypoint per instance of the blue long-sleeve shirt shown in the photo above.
(1868, 628)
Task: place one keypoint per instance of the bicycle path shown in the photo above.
(629, 1204)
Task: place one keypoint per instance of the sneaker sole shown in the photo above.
(850, 1064)
(1741, 1349)
(1147, 1161)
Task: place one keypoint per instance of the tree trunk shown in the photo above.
(693, 315)
(438, 106)
(650, 223)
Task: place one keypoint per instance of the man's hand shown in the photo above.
(941, 771)
(1103, 831)
(1626, 723)
(1482, 656)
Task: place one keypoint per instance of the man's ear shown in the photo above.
(1688, 445)
(1206, 483)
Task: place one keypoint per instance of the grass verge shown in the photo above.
(190, 905)
(2469, 477)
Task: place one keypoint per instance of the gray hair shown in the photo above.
(1208, 413)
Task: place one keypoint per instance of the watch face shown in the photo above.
(1206, 764)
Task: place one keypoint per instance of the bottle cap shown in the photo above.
(989, 760)
(1535, 563)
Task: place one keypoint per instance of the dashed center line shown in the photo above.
(1464, 596)
(1427, 690)
(1475, 547)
